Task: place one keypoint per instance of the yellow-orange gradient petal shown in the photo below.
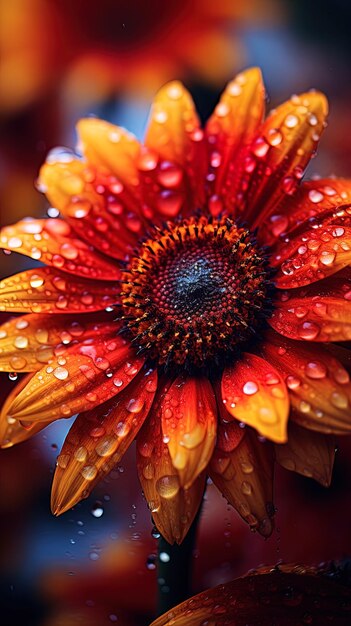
(312, 255)
(11, 430)
(173, 507)
(232, 127)
(317, 312)
(275, 595)
(317, 202)
(46, 290)
(98, 439)
(319, 386)
(308, 453)
(98, 206)
(83, 378)
(110, 148)
(244, 475)
(275, 162)
(175, 135)
(53, 242)
(27, 342)
(189, 420)
(255, 393)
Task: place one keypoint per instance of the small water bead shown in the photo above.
(341, 376)
(36, 281)
(106, 447)
(193, 438)
(316, 370)
(89, 472)
(151, 561)
(250, 388)
(292, 382)
(247, 467)
(222, 109)
(81, 454)
(169, 203)
(308, 330)
(164, 557)
(13, 376)
(291, 121)
(260, 147)
(170, 174)
(274, 137)
(338, 232)
(14, 242)
(97, 510)
(135, 405)
(312, 120)
(305, 407)
(21, 342)
(339, 400)
(160, 116)
(246, 488)
(63, 460)
(234, 89)
(327, 257)
(168, 486)
(61, 373)
(18, 362)
(315, 196)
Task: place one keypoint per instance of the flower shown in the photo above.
(187, 292)
(278, 594)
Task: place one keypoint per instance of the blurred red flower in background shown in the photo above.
(182, 356)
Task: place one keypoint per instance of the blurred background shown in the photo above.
(63, 59)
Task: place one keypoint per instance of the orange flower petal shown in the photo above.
(274, 163)
(245, 477)
(317, 312)
(316, 202)
(319, 386)
(311, 256)
(86, 376)
(46, 290)
(280, 594)
(53, 242)
(98, 439)
(173, 508)
(189, 419)
(98, 207)
(255, 393)
(11, 430)
(27, 342)
(111, 149)
(307, 453)
(175, 135)
(231, 128)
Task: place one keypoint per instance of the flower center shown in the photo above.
(195, 290)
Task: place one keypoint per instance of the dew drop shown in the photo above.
(168, 486)
(61, 373)
(250, 388)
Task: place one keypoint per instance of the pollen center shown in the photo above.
(195, 290)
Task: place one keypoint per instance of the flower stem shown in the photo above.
(174, 572)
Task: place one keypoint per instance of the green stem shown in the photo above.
(174, 571)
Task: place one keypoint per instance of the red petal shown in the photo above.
(319, 386)
(230, 129)
(98, 206)
(27, 342)
(273, 165)
(111, 149)
(316, 202)
(173, 508)
(98, 439)
(317, 312)
(86, 376)
(307, 453)
(245, 477)
(53, 242)
(255, 393)
(189, 419)
(46, 290)
(283, 594)
(312, 256)
(11, 430)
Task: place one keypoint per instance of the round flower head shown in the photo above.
(190, 298)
